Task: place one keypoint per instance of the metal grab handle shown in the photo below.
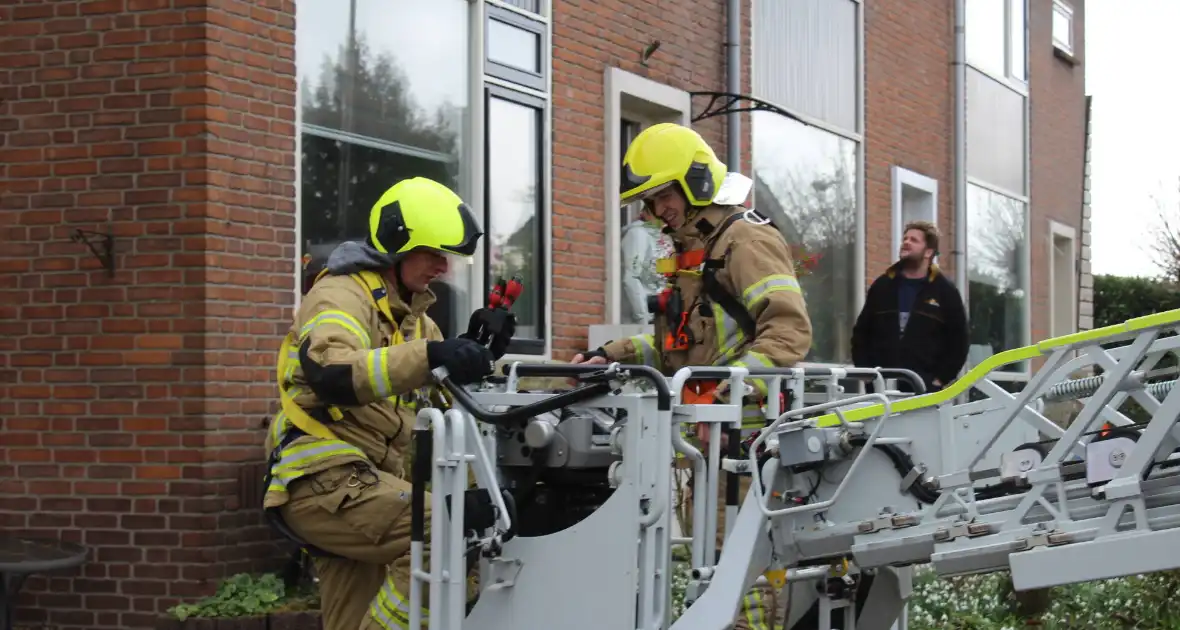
(755, 472)
(518, 414)
(573, 370)
(909, 375)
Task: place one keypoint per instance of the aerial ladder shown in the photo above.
(570, 518)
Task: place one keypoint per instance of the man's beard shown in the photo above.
(911, 262)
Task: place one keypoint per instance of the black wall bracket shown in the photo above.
(721, 103)
(101, 245)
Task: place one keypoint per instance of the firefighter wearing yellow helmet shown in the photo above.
(731, 299)
(353, 367)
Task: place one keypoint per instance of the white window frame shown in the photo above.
(904, 178)
(1007, 78)
(856, 135)
(1065, 9)
(1020, 87)
(484, 76)
(472, 160)
(648, 102)
(1069, 233)
(1026, 279)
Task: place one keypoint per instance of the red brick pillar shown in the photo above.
(132, 405)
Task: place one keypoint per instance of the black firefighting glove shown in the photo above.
(597, 352)
(492, 327)
(465, 360)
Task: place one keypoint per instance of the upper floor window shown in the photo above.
(384, 97)
(1063, 26)
(516, 157)
(996, 37)
(532, 6)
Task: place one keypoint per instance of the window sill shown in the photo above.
(1065, 56)
(527, 347)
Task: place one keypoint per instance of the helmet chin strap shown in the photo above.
(402, 292)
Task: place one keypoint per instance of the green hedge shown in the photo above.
(1117, 298)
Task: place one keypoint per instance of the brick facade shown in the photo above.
(1058, 128)
(909, 117)
(691, 57)
(132, 404)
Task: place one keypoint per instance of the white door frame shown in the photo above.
(903, 178)
(643, 100)
(1067, 232)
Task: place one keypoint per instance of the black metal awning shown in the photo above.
(721, 103)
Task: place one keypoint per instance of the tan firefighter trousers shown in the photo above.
(365, 519)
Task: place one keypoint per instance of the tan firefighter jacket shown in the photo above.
(372, 375)
(758, 270)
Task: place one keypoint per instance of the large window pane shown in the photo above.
(995, 133)
(514, 46)
(995, 37)
(985, 27)
(805, 57)
(514, 210)
(383, 96)
(996, 258)
(805, 181)
(394, 70)
(340, 181)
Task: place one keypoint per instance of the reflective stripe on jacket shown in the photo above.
(346, 365)
(760, 273)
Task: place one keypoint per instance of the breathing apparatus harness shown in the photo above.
(669, 302)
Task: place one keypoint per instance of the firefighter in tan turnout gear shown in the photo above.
(732, 298)
(353, 368)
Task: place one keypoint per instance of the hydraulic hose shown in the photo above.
(904, 465)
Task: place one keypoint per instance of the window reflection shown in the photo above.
(514, 175)
(383, 97)
(514, 46)
(406, 80)
(996, 255)
(805, 181)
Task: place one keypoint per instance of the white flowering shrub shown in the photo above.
(976, 602)
(680, 577)
(987, 602)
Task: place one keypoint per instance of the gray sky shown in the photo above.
(1130, 71)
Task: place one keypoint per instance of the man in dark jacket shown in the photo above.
(913, 316)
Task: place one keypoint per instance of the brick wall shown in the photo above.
(1058, 128)
(909, 117)
(130, 403)
(909, 108)
(588, 37)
